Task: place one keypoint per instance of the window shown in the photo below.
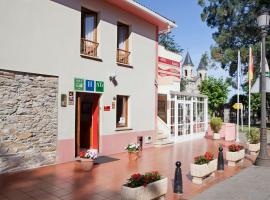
(122, 43)
(186, 73)
(89, 33)
(122, 111)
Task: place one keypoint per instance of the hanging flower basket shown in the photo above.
(235, 154)
(204, 166)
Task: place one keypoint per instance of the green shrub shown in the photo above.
(253, 136)
(215, 124)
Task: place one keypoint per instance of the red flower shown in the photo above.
(82, 154)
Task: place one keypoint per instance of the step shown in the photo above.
(162, 143)
(162, 136)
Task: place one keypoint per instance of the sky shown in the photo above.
(191, 33)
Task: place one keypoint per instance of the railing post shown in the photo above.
(178, 183)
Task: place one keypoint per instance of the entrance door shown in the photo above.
(183, 116)
(87, 120)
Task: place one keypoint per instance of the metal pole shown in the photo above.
(238, 86)
(263, 159)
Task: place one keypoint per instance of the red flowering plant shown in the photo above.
(137, 180)
(235, 147)
(204, 159)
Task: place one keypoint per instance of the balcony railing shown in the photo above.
(122, 56)
(88, 47)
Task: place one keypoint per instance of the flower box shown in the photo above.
(199, 172)
(234, 157)
(87, 164)
(154, 190)
(254, 148)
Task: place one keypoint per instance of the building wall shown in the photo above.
(43, 37)
(28, 116)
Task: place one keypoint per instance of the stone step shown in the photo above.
(162, 136)
(162, 143)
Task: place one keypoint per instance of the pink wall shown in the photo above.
(228, 131)
(65, 150)
(116, 143)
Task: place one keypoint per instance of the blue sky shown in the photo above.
(191, 34)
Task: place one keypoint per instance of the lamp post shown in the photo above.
(263, 158)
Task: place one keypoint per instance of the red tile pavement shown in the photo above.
(68, 181)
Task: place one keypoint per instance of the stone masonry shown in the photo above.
(28, 120)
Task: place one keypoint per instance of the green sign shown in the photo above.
(267, 74)
(99, 86)
(78, 84)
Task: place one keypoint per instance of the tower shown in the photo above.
(202, 70)
(188, 67)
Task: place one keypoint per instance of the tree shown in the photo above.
(167, 40)
(217, 92)
(236, 29)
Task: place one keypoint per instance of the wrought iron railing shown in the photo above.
(88, 47)
(122, 56)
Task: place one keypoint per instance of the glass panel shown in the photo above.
(180, 130)
(180, 113)
(89, 24)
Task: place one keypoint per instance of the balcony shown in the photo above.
(122, 56)
(89, 48)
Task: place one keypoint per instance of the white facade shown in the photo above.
(43, 37)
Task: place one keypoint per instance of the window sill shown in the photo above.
(91, 57)
(124, 65)
(123, 129)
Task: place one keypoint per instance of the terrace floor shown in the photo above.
(68, 181)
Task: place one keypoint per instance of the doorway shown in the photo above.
(87, 122)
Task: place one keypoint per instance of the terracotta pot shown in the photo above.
(133, 155)
(199, 172)
(155, 190)
(87, 164)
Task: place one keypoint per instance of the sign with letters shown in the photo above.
(88, 85)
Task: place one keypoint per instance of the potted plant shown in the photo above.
(203, 166)
(87, 159)
(253, 137)
(133, 151)
(146, 186)
(235, 153)
(215, 124)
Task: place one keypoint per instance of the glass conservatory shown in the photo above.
(186, 115)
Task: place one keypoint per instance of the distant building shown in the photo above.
(193, 81)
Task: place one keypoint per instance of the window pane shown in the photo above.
(121, 111)
(122, 37)
(89, 27)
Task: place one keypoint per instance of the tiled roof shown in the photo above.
(201, 66)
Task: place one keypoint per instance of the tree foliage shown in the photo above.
(235, 28)
(217, 92)
(169, 43)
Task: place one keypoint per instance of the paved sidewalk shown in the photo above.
(104, 181)
(252, 183)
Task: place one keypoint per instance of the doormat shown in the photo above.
(104, 159)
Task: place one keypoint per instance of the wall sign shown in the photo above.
(90, 85)
(78, 84)
(107, 108)
(70, 98)
(99, 86)
(63, 100)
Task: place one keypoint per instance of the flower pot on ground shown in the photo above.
(145, 187)
(235, 154)
(87, 159)
(215, 124)
(133, 151)
(203, 166)
(253, 137)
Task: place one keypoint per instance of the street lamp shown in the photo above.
(263, 158)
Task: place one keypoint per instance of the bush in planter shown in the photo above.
(87, 158)
(235, 154)
(235, 147)
(203, 159)
(137, 180)
(215, 124)
(253, 136)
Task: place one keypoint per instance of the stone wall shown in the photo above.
(28, 120)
